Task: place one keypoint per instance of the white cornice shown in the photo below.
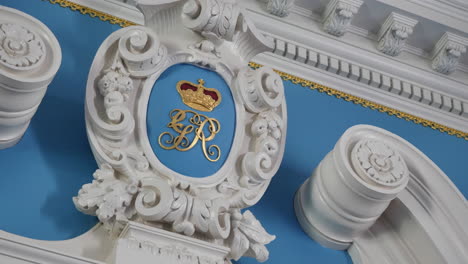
(406, 82)
(445, 12)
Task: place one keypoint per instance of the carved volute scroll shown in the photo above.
(131, 184)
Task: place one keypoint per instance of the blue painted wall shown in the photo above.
(41, 174)
(164, 98)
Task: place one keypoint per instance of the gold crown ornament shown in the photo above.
(197, 96)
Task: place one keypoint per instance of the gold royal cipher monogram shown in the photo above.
(204, 128)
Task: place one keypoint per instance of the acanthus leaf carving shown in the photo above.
(447, 53)
(338, 15)
(130, 61)
(20, 48)
(394, 33)
(249, 237)
(214, 19)
(279, 8)
(107, 197)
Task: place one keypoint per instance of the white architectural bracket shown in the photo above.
(30, 56)
(382, 199)
(447, 52)
(279, 8)
(338, 15)
(394, 33)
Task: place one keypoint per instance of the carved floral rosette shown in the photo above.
(30, 56)
(131, 183)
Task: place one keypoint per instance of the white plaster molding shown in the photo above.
(153, 245)
(394, 32)
(30, 56)
(451, 13)
(406, 82)
(142, 188)
(350, 189)
(447, 52)
(425, 223)
(93, 247)
(338, 14)
(279, 8)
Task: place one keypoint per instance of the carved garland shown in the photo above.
(131, 184)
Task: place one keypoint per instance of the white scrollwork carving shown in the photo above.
(20, 48)
(142, 189)
(378, 162)
(338, 15)
(107, 197)
(257, 165)
(248, 237)
(141, 51)
(261, 89)
(214, 18)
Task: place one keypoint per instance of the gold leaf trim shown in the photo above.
(93, 13)
(287, 77)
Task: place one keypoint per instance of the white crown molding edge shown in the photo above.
(91, 247)
(425, 223)
(444, 12)
(445, 87)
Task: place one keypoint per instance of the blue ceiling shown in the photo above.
(45, 170)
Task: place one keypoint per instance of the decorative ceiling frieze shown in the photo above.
(353, 64)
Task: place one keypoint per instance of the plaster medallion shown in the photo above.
(20, 47)
(376, 161)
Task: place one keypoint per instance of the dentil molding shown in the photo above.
(30, 56)
(132, 184)
(384, 201)
(406, 82)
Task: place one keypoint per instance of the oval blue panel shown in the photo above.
(166, 104)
